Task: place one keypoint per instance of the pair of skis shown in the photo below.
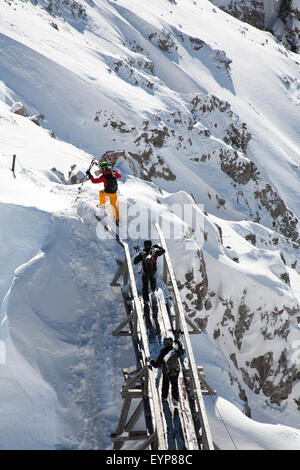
(108, 228)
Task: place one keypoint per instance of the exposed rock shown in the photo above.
(284, 219)
(37, 119)
(75, 8)
(250, 11)
(59, 174)
(238, 138)
(240, 170)
(251, 237)
(156, 137)
(19, 108)
(75, 176)
(164, 40)
(243, 323)
(289, 13)
(147, 169)
(267, 369)
(136, 71)
(286, 28)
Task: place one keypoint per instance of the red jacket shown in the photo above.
(102, 178)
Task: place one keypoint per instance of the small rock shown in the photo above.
(19, 108)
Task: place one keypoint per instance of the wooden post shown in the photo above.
(13, 163)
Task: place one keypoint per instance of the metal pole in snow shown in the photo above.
(13, 163)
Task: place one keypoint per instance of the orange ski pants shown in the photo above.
(113, 199)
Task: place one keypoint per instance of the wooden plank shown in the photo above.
(132, 393)
(180, 318)
(129, 436)
(194, 329)
(123, 416)
(124, 322)
(134, 379)
(210, 391)
(121, 270)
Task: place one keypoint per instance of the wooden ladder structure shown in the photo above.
(141, 391)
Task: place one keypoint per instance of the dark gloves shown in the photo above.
(88, 173)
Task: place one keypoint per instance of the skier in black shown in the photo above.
(148, 257)
(168, 360)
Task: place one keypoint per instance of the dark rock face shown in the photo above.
(253, 12)
(283, 217)
(289, 13)
(249, 11)
(266, 370)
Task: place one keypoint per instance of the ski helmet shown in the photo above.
(168, 341)
(104, 166)
(147, 244)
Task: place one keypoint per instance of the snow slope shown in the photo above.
(208, 111)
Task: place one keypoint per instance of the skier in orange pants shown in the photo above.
(109, 179)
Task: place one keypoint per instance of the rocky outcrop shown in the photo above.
(289, 14)
(273, 378)
(284, 219)
(19, 108)
(287, 26)
(250, 11)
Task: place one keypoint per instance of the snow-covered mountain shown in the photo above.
(206, 107)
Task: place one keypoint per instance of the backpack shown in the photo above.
(171, 363)
(149, 262)
(111, 183)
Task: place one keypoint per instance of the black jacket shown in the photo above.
(164, 351)
(155, 251)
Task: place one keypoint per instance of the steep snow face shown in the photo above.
(205, 124)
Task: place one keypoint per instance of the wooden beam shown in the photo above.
(129, 436)
(209, 390)
(123, 416)
(121, 270)
(194, 329)
(132, 393)
(135, 416)
(134, 379)
(124, 322)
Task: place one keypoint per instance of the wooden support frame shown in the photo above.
(208, 390)
(142, 387)
(119, 330)
(123, 269)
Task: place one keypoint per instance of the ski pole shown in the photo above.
(89, 169)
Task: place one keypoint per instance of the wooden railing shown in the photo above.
(181, 324)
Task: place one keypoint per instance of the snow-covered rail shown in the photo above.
(189, 421)
(181, 324)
